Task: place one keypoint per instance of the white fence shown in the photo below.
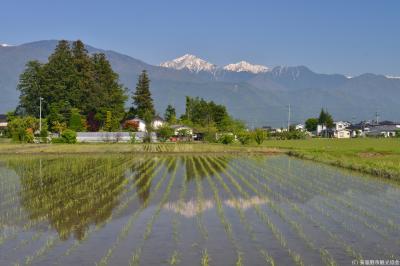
(112, 136)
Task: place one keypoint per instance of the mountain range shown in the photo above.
(255, 93)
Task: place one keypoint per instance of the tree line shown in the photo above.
(81, 92)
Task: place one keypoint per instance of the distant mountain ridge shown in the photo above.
(257, 94)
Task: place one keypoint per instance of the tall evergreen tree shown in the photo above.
(31, 88)
(325, 119)
(109, 92)
(59, 73)
(142, 100)
(84, 89)
(72, 79)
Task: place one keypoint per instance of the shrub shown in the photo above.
(75, 122)
(164, 133)
(226, 139)
(69, 136)
(244, 138)
(259, 136)
(133, 138)
(29, 137)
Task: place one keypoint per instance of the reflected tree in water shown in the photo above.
(70, 193)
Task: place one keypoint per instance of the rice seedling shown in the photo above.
(174, 260)
(205, 258)
(149, 226)
(125, 230)
(200, 200)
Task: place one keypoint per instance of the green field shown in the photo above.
(379, 157)
(107, 148)
(375, 156)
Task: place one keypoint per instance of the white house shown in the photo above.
(320, 129)
(140, 124)
(3, 124)
(158, 122)
(300, 127)
(342, 134)
(3, 121)
(340, 125)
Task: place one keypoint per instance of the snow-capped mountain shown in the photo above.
(5, 45)
(392, 77)
(191, 63)
(244, 66)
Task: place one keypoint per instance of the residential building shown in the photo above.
(342, 134)
(3, 124)
(385, 131)
(158, 122)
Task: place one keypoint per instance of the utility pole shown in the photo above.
(288, 120)
(377, 118)
(40, 114)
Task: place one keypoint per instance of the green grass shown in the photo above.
(16, 148)
(380, 157)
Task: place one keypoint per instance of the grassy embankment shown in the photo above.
(380, 157)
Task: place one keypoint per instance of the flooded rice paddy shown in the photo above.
(192, 210)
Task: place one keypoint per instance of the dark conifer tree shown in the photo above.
(142, 100)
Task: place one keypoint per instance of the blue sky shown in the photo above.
(349, 37)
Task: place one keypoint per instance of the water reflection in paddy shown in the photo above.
(256, 210)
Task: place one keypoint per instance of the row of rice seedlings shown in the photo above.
(132, 219)
(324, 253)
(220, 211)
(350, 229)
(49, 244)
(31, 223)
(135, 259)
(249, 229)
(51, 167)
(295, 188)
(347, 199)
(200, 199)
(175, 257)
(53, 241)
(205, 258)
(154, 170)
(335, 184)
(327, 192)
(263, 215)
